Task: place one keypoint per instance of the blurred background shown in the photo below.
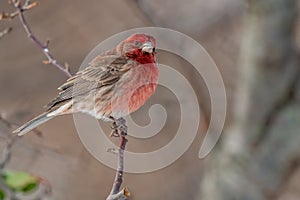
(255, 45)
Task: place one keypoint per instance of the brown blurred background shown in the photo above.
(74, 28)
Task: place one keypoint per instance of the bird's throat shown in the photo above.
(142, 57)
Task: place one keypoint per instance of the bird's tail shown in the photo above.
(33, 123)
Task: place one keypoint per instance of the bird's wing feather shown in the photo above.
(104, 70)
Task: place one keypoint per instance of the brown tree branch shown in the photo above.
(5, 15)
(6, 153)
(50, 59)
(120, 129)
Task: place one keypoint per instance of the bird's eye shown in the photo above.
(137, 43)
(153, 50)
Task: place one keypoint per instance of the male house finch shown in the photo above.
(113, 85)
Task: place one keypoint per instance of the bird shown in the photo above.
(114, 84)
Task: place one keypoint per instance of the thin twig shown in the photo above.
(115, 193)
(6, 153)
(27, 6)
(5, 15)
(5, 32)
(44, 47)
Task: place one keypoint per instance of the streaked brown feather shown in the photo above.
(104, 70)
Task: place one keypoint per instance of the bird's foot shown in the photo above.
(114, 131)
(118, 128)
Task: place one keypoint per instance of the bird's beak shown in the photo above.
(147, 47)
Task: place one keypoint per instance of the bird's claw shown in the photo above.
(114, 133)
(118, 127)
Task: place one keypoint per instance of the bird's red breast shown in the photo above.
(137, 86)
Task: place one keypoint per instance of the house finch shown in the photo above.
(114, 84)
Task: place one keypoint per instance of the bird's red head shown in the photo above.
(139, 47)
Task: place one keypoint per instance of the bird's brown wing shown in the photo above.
(104, 70)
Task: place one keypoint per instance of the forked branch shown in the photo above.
(44, 46)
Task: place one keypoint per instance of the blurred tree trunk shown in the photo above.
(261, 150)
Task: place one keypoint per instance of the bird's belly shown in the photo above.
(128, 95)
(140, 96)
(134, 90)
